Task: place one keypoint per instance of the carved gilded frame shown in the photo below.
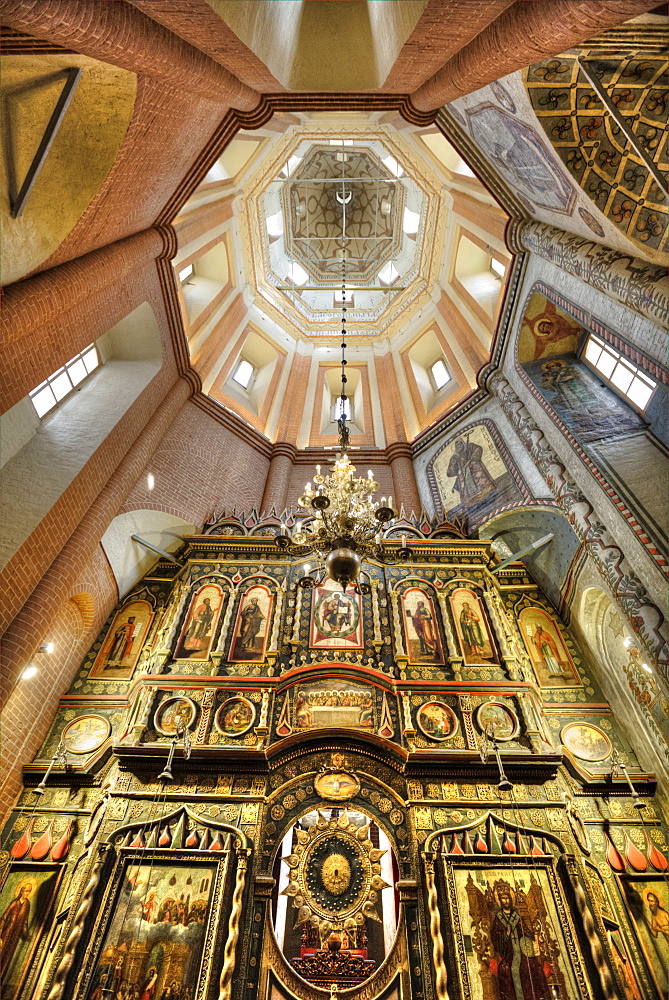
(157, 858)
(543, 869)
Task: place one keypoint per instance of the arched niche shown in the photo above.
(550, 565)
(637, 696)
(130, 560)
(335, 906)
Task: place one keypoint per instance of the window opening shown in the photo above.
(185, 273)
(440, 374)
(64, 381)
(621, 374)
(243, 373)
(497, 267)
(342, 405)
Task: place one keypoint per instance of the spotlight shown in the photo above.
(46, 647)
(29, 672)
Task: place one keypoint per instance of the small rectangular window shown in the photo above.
(630, 381)
(243, 373)
(497, 267)
(63, 381)
(440, 374)
(185, 273)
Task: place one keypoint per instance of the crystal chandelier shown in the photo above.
(347, 526)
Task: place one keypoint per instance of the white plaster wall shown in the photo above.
(130, 560)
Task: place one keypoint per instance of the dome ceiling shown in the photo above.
(304, 190)
(342, 207)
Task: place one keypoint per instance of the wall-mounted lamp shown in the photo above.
(46, 647)
(29, 672)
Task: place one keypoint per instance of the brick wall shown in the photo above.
(200, 466)
(29, 708)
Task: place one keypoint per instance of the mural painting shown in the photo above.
(120, 651)
(472, 628)
(471, 477)
(623, 965)
(546, 330)
(647, 902)
(197, 634)
(522, 158)
(336, 620)
(252, 626)
(175, 714)
(503, 720)
(25, 903)
(153, 945)
(517, 944)
(436, 720)
(235, 717)
(552, 663)
(422, 630)
(585, 406)
(333, 704)
(586, 741)
(85, 734)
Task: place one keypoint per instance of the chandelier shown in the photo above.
(348, 522)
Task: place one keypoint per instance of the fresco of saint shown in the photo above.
(472, 627)
(123, 644)
(252, 626)
(422, 631)
(198, 632)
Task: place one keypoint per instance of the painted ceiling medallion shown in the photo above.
(335, 875)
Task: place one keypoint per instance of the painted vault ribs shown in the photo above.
(325, 795)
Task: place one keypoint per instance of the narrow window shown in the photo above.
(630, 381)
(342, 405)
(440, 374)
(59, 385)
(243, 373)
(497, 267)
(185, 273)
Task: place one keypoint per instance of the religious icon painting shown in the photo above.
(421, 628)
(123, 643)
(503, 720)
(26, 901)
(436, 720)
(154, 925)
(197, 634)
(174, 714)
(513, 934)
(647, 904)
(336, 786)
(472, 628)
(550, 658)
(623, 965)
(586, 741)
(235, 717)
(85, 734)
(252, 626)
(333, 705)
(336, 618)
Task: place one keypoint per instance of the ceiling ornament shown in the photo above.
(292, 217)
(335, 876)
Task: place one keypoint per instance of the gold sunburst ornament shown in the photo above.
(335, 876)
